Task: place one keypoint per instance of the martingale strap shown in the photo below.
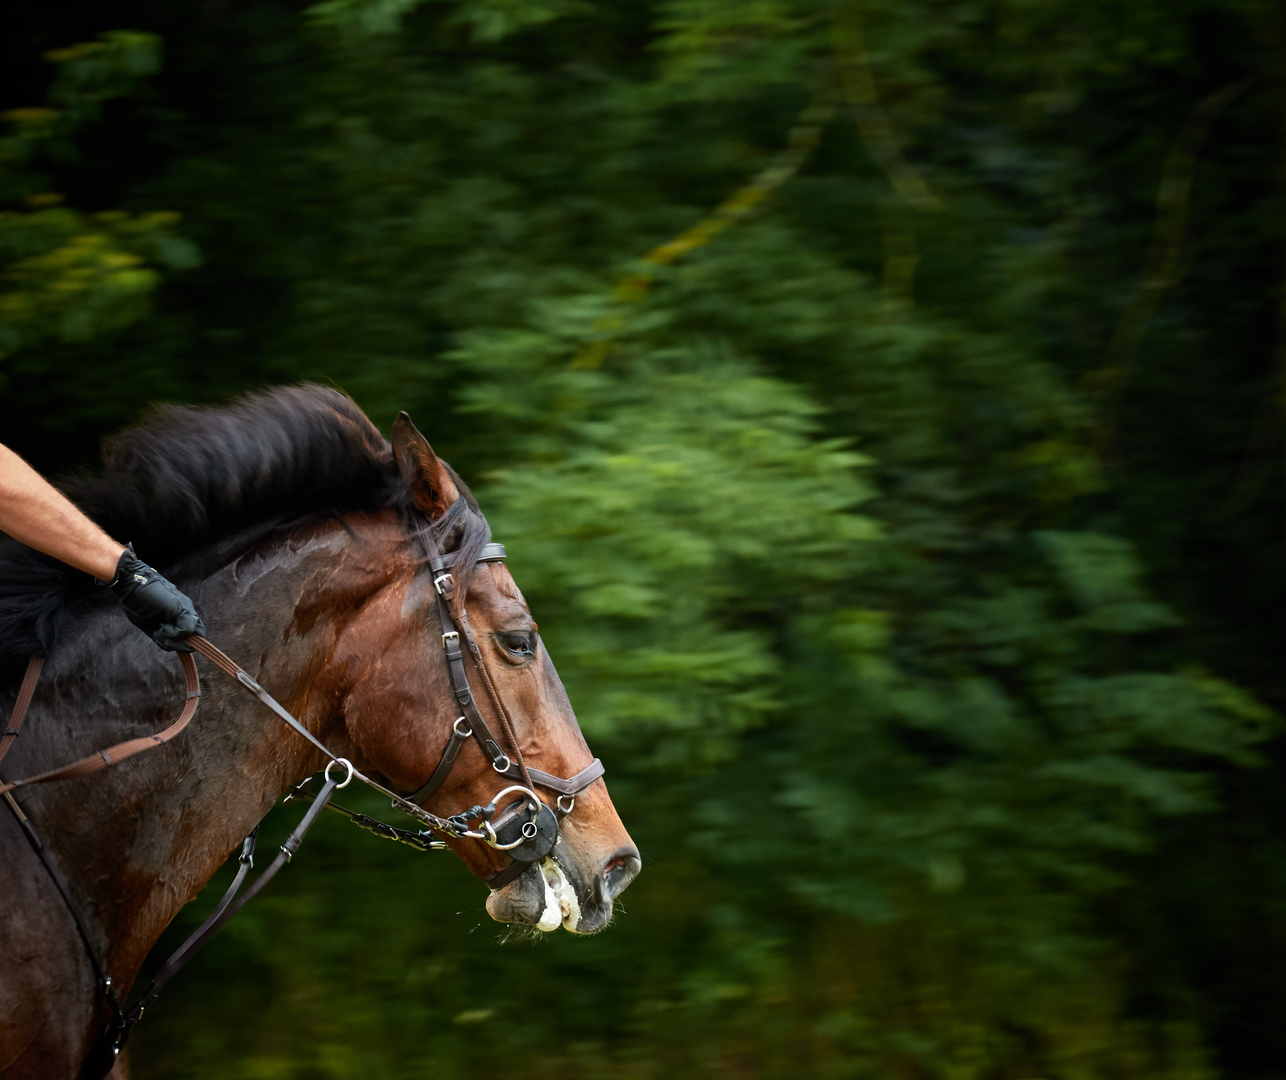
(109, 1044)
(118, 1031)
(102, 1055)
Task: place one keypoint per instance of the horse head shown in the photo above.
(450, 739)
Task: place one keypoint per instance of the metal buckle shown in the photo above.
(452, 636)
(571, 803)
(444, 590)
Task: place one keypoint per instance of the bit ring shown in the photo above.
(490, 832)
(340, 761)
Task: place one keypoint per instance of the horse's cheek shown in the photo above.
(380, 721)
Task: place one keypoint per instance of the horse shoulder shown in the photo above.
(47, 993)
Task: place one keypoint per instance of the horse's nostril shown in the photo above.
(620, 870)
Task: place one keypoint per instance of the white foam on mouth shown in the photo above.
(551, 918)
(561, 904)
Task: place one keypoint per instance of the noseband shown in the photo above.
(526, 831)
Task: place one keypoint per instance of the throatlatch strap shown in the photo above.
(22, 703)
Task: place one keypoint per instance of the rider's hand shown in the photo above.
(153, 604)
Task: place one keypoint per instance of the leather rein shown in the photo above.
(526, 831)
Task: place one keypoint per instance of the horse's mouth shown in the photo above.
(562, 905)
(542, 896)
(547, 895)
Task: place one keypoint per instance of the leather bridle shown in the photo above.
(526, 831)
(540, 832)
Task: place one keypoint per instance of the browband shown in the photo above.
(489, 553)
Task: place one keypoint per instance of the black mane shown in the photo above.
(186, 478)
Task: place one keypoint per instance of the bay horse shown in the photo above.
(301, 535)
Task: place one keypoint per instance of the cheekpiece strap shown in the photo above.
(458, 738)
(453, 644)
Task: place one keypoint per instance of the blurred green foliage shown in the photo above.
(72, 276)
(881, 404)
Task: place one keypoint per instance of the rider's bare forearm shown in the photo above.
(42, 517)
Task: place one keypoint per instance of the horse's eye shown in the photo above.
(519, 643)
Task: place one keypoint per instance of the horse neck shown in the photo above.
(139, 841)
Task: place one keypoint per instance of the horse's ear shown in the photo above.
(428, 479)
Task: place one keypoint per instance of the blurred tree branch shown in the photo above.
(911, 195)
(800, 142)
(1161, 269)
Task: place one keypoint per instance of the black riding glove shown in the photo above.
(153, 604)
